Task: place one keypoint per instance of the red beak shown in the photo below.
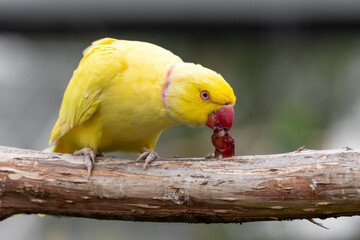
(224, 116)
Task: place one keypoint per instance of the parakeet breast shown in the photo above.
(132, 120)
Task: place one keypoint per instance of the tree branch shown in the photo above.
(298, 185)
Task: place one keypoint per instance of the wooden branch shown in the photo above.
(298, 185)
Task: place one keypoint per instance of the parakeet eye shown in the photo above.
(205, 95)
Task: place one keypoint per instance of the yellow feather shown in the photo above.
(114, 100)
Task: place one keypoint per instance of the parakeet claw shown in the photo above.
(89, 158)
(210, 156)
(148, 156)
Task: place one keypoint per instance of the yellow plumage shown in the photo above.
(117, 99)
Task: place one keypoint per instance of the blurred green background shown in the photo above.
(294, 68)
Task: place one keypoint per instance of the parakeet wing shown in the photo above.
(82, 96)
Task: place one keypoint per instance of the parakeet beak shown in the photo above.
(224, 116)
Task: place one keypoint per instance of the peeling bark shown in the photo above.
(298, 185)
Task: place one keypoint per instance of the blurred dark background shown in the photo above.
(294, 67)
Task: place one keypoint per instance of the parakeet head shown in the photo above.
(197, 96)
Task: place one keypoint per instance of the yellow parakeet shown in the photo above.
(125, 93)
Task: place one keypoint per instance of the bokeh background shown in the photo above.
(294, 67)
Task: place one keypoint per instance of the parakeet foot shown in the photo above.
(148, 156)
(89, 158)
